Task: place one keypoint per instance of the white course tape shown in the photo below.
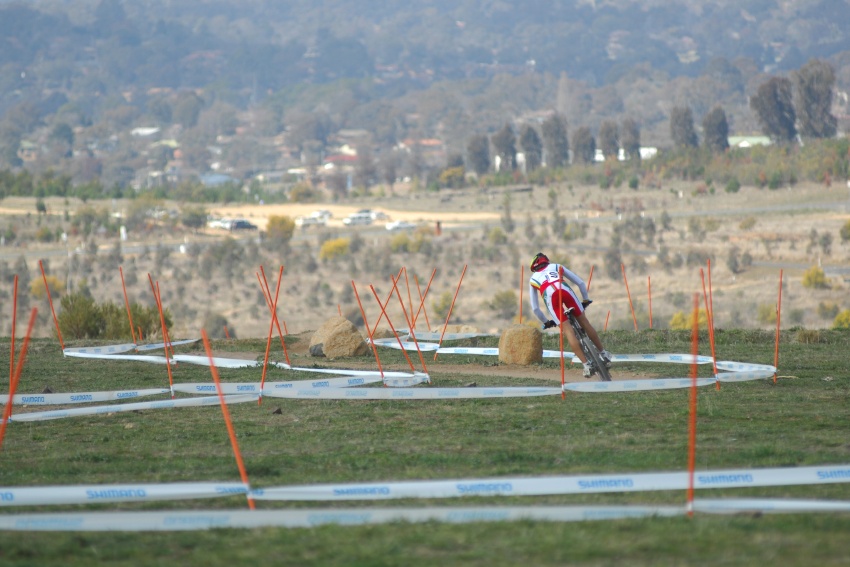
(108, 349)
(98, 493)
(412, 393)
(636, 385)
(135, 357)
(559, 485)
(217, 360)
(766, 505)
(174, 521)
(157, 346)
(80, 398)
(116, 408)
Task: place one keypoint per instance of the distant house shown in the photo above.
(748, 141)
(216, 179)
(144, 132)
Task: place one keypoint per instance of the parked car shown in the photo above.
(399, 225)
(379, 215)
(359, 218)
(306, 222)
(323, 214)
(242, 224)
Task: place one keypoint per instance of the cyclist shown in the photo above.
(550, 281)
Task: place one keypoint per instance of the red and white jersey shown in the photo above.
(547, 282)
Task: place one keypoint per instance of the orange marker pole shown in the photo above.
(139, 329)
(368, 332)
(412, 332)
(563, 363)
(226, 334)
(127, 303)
(778, 318)
(692, 421)
(269, 340)
(339, 309)
(383, 310)
(623, 268)
(13, 386)
(387, 302)
(409, 300)
(169, 344)
(164, 336)
(521, 285)
(451, 308)
(284, 328)
(50, 301)
(590, 277)
(422, 297)
(14, 324)
(649, 294)
(267, 292)
(606, 320)
(243, 474)
(710, 334)
(711, 302)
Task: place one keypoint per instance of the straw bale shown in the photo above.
(521, 344)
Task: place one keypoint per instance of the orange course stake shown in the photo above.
(243, 474)
(449, 314)
(409, 300)
(778, 318)
(422, 299)
(164, 336)
(606, 320)
(271, 331)
(708, 320)
(50, 301)
(392, 328)
(267, 293)
(13, 386)
(412, 332)
(623, 268)
(692, 421)
(589, 278)
(127, 304)
(368, 332)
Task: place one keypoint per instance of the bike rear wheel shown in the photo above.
(593, 354)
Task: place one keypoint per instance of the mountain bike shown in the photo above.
(597, 364)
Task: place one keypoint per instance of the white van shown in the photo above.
(357, 219)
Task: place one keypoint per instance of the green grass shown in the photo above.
(801, 420)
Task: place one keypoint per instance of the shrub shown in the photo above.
(733, 185)
(504, 303)
(766, 313)
(442, 304)
(302, 193)
(685, 322)
(842, 320)
(634, 182)
(44, 234)
(400, 243)
(814, 278)
(334, 248)
(80, 317)
(747, 223)
(827, 310)
(55, 284)
(845, 232)
(497, 236)
(808, 336)
(280, 228)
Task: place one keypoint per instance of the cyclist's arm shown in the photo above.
(577, 281)
(534, 296)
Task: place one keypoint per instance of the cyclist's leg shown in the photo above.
(560, 303)
(591, 332)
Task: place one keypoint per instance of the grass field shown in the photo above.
(803, 419)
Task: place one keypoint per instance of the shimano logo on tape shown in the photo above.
(725, 478)
(827, 475)
(116, 493)
(606, 483)
(485, 488)
(362, 491)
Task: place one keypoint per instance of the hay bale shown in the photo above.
(338, 338)
(521, 344)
